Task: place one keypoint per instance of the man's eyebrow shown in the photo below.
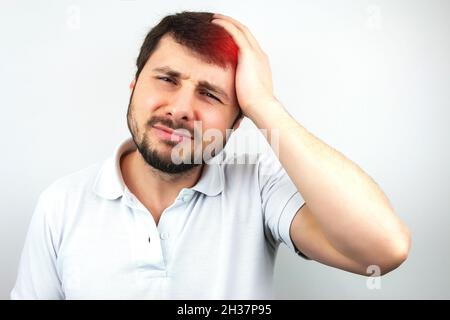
(208, 86)
(170, 72)
(202, 84)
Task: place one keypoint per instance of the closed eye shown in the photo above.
(166, 79)
(209, 95)
(205, 93)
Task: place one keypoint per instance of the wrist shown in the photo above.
(267, 114)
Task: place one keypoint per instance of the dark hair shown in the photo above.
(195, 31)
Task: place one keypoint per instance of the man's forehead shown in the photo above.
(184, 60)
(174, 59)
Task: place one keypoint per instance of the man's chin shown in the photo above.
(167, 156)
(165, 164)
(171, 168)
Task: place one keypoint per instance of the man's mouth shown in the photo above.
(167, 133)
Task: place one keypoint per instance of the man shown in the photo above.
(153, 222)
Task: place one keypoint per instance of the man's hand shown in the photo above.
(253, 75)
(347, 221)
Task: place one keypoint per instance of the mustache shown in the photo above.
(171, 124)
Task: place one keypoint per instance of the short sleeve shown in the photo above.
(37, 275)
(280, 200)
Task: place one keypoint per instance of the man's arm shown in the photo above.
(37, 275)
(347, 221)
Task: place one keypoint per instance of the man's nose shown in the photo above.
(181, 107)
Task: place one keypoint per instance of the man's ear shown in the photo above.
(132, 84)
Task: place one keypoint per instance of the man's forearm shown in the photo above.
(351, 209)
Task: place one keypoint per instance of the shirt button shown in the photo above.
(164, 235)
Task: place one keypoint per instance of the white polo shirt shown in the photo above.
(91, 238)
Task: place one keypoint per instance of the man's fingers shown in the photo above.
(234, 32)
(250, 38)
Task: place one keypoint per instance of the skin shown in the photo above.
(183, 103)
(347, 221)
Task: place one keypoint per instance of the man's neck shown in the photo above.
(155, 189)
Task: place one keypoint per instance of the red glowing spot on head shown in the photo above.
(195, 31)
(212, 43)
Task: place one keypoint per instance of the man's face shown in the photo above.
(175, 89)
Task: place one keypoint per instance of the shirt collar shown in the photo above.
(109, 182)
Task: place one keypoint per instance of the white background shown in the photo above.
(370, 78)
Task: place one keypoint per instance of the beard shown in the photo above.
(164, 164)
(149, 152)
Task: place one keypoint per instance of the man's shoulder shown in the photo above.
(254, 159)
(239, 164)
(74, 182)
(249, 161)
(252, 167)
